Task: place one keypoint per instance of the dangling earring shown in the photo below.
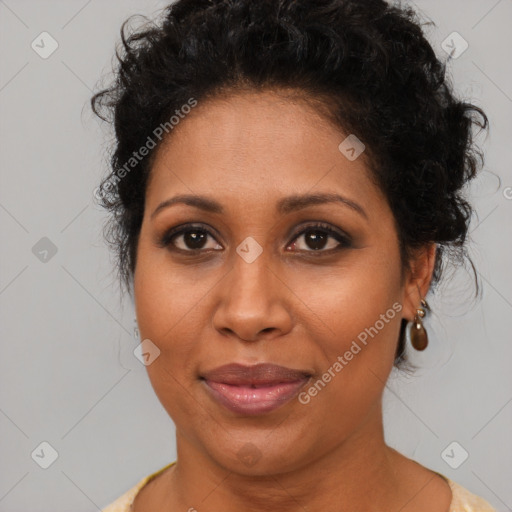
(419, 338)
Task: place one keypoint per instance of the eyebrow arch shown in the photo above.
(298, 202)
(201, 202)
(284, 206)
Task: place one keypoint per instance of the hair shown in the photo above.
(367, 63)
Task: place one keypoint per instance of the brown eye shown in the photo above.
(189, 239)
(320, 238)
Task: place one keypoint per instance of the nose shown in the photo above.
(253, 303)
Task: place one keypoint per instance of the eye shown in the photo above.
(316, 239)
(189, 239)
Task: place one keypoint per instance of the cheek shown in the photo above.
(170, 321)
(166, 315)
(163, 315)
(360, 300)
(166, 296)
(356, 366)
(360, 313)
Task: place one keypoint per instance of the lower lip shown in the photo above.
(253, 401)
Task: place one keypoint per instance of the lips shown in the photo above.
(256, 389)
(258, 375)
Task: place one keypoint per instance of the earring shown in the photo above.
(419, 338)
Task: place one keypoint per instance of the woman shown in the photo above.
(287, 184)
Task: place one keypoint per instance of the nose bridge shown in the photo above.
(251, 276)
(250, 300)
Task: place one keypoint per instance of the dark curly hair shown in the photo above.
(366, 63)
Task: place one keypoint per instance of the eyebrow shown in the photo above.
(284, 206)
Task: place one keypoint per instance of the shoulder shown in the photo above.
(465, 501)
(124, 502)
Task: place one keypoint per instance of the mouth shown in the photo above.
(254, 390)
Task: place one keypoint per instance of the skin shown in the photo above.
(289, 306)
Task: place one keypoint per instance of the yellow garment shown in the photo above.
(462, 499)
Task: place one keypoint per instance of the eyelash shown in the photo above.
(169, 236)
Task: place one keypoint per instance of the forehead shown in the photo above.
(257, 147)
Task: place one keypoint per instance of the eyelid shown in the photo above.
(343, 239)
(322, 226)
(165, 240)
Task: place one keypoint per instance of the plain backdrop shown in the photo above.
(69, 378)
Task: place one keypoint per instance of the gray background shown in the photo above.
(68, 373)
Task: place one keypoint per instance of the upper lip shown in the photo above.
(263, 374)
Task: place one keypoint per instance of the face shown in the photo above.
(257, 273)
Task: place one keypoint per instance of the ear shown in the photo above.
(418, 278)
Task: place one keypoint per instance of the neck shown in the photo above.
(362, 471)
